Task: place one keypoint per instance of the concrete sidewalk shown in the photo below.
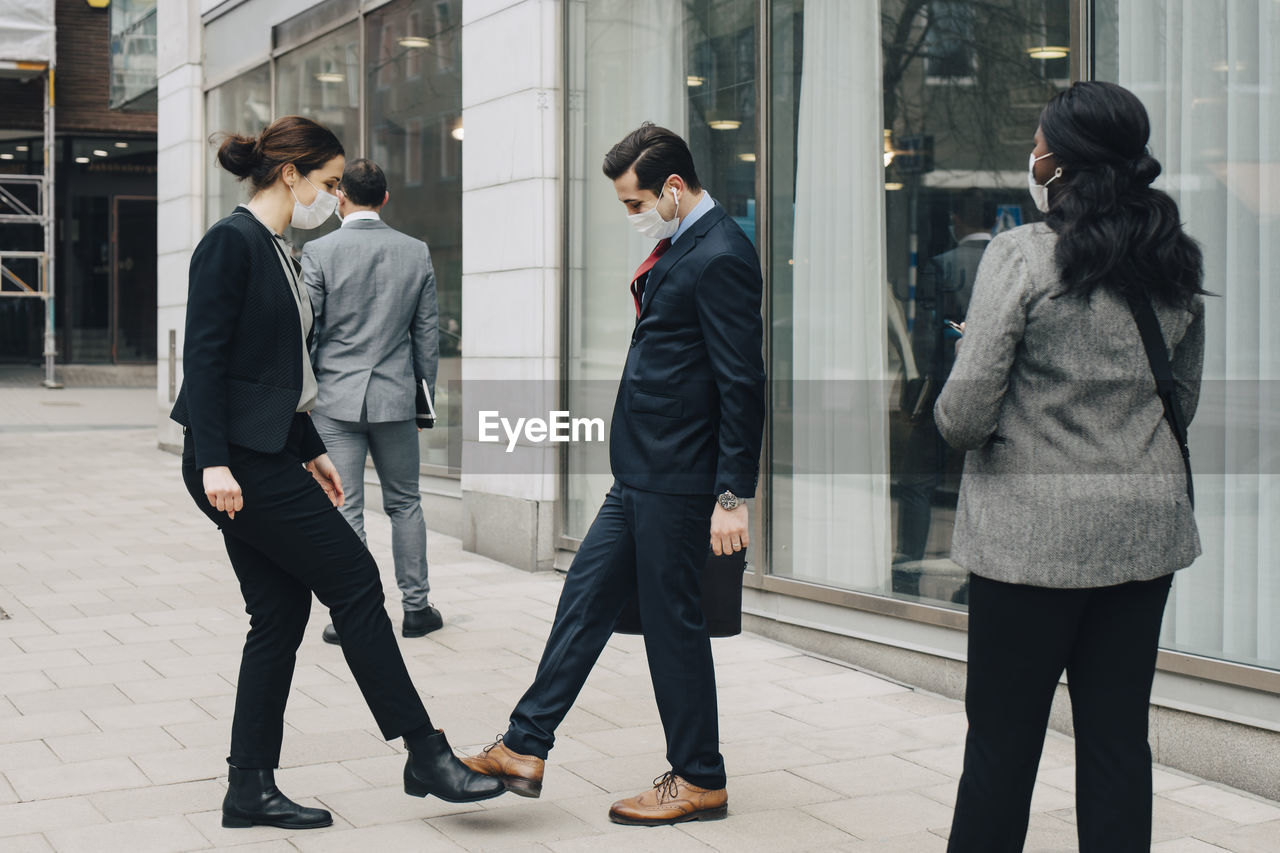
(118, 664)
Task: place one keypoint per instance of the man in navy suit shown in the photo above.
(684, 448)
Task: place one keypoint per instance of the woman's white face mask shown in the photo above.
(1040, 192)
(308, 216)
(650, 222)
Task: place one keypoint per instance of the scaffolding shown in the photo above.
(27, 52)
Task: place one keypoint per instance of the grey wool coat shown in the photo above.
(1072, 477)
(373, 291)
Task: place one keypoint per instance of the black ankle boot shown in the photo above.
(254, 800)
(432, 768)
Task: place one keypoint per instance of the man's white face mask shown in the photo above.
(650, 222)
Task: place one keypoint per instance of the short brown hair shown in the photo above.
(655, 153)
(364, 183)
(288, 139)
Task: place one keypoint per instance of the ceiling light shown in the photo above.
(122, 145)
(82, 159)
(415, 42)
(749, 157)
(889, 152)
(893, 186)
(6, 156)
(695, 81)
(1048, 52)
(99, 152)
(456, 133)
(22, 148)
(330, 77)
(724, 124)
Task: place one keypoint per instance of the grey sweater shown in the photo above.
(1073, 477)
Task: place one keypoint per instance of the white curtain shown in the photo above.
(629, 66)
(1209, 73)
(840, 490)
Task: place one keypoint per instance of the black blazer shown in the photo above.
(242, 354)
(690, 410)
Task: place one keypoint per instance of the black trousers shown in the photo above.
(287, 543)
(1021, 638)
(655, 545)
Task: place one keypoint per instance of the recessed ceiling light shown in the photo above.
(122, 145)
(694, 81)
(724, 124)
(22, 148)
(748, 157)
(82, 159)
(456, 133)
(6, 156)
(330, 77)
(1048, 52)
(893, 186)
(415, 42)
(99, 152)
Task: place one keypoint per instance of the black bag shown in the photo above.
(1158, 355)
(721, 598)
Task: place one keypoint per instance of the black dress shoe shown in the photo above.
(419, 623)
(330, 635)
(254, 800)
(432, 768)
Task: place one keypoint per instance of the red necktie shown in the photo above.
(658, 251)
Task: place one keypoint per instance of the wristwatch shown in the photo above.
(729, 500)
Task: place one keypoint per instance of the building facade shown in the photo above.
(869, 149)
(104, 200)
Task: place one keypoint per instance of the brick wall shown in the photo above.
(82, 81)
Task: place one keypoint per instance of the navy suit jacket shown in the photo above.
(689, 417)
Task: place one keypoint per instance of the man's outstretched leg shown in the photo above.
(599, 582)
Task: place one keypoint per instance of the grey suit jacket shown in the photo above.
(1073, 477)
(373, 290)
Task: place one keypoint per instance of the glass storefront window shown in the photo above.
(133, 53)
(688, 65)
(413, 120)
(860, 290)
(1209, 74)
(321, 80)
(241, 105)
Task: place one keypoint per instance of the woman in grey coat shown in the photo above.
(1075, 506)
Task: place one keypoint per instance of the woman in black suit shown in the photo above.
(254, 464)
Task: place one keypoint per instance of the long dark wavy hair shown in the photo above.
(1114, 229)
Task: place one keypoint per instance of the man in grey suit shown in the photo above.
(373, 291)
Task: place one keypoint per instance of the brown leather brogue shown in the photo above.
(671, 800)
(522, 774)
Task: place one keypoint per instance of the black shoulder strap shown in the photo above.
(1158, 356)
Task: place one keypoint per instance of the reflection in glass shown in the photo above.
(688, 66)
(1209, 74)
(413, 115)
(957, 94)
(241, 105)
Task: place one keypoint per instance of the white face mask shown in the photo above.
(308, 216)
(1040, 192)
(650, 222)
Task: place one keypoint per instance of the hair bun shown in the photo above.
(240, 155)
(1145, 169)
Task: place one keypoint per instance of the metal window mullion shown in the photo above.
(764, 245)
